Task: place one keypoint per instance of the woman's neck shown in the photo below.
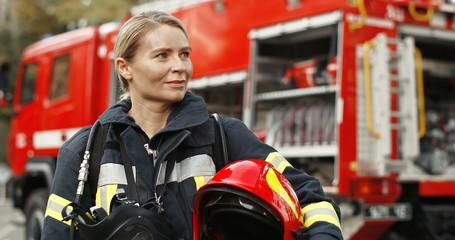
(150, 117)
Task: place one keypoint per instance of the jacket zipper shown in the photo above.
(151, 152)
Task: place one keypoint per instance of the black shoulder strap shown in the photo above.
(220, 152)
(95, 159)
(128, 165)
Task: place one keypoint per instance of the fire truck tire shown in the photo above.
(34, 213)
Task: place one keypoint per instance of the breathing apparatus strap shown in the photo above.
(169, 167)
(157, 200)
(128, 172)
(133, 192)
(220, 145)
(95, 159)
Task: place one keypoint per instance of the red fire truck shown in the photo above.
(358, 93)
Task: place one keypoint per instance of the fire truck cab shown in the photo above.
(357, 93)
(62, 84)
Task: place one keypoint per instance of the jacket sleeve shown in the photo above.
(321, 214)
(63, 190)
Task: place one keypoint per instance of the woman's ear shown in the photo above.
(123, 68)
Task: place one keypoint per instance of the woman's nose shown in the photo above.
(178, 65)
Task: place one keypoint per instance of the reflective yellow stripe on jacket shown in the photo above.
(111, 175)
(278, 161)
(312, 213)
(55, 205)
(322, 211)
(104, 196)
(201, 181)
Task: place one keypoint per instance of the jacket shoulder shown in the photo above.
(77, 142)
(232, 122)
(235, 128)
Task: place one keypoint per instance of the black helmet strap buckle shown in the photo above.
(302, 234)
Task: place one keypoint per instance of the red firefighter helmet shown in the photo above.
(247, 199)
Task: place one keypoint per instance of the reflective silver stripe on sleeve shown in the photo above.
(317, 211)
(278, 161)
(55, 205)
(199, 165)
(322, 211)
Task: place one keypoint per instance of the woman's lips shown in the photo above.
(176, 83)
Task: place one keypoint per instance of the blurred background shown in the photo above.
(333, 85)
(23, 22)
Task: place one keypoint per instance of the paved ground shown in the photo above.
(11, 221)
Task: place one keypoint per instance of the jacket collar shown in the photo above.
(189, 112)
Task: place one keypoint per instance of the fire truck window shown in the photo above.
(314, 43)
(60, 78)
(28, 83)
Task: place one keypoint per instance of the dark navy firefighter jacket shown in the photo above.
(189, 130)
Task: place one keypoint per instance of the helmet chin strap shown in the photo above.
(302, 234)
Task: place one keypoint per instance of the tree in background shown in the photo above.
(28, 21)
(23, 22)
(78, 13)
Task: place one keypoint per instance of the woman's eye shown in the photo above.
(161, 55)
(185, 54)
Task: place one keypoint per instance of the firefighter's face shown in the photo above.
(161, 67)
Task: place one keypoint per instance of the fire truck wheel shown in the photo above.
(34, 213)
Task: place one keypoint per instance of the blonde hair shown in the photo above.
(132, 33)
